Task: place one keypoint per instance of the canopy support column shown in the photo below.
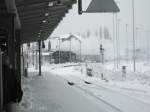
(18, 58)
(39, 42)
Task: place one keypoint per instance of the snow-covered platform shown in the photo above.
(52, 93)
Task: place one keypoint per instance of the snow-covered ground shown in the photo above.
(114, 92)
(123, 91)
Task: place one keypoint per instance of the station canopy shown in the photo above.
(39, 18)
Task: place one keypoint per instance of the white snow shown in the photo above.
(114, 93)
(123, 92)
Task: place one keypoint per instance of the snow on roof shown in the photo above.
(77, 37)
(69, 36)
(64, 36)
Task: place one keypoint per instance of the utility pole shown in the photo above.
(118, 41)
(137, 43)
(80, 52)
(114, 40)
(127, 43)
(117, 60)
(117, 50)
(134, 54)
(147, 46)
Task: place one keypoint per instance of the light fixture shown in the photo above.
(50, 4)
(47, 14)
(44, 21)
(54, 3)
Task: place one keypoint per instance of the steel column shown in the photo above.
(39, 42)
(18, 51)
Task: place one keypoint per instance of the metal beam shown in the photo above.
(45, 17)
(44, 7)
(33, 23)
(24, 14)
(30, 2)
(39, 26)
(41, 20)
(35, 33)
(38, 29)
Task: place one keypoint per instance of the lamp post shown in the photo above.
(133, 17)
(118, 41)
(117, 29)
(148, 46)
(137, 41)
(80, 53)
(114, 40)
(127, 43)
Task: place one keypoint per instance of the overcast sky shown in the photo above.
(74, 23)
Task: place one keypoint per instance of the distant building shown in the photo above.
(64, 56)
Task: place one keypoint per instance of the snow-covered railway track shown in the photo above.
(114, 108)
(98, 87)
(83, 87)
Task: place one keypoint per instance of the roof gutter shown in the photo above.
(11, 8)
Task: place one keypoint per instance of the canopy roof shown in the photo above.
(40, 17)
(37, 19)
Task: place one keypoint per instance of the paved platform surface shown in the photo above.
(50, 93)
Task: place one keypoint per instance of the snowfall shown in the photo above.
(67, 88)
